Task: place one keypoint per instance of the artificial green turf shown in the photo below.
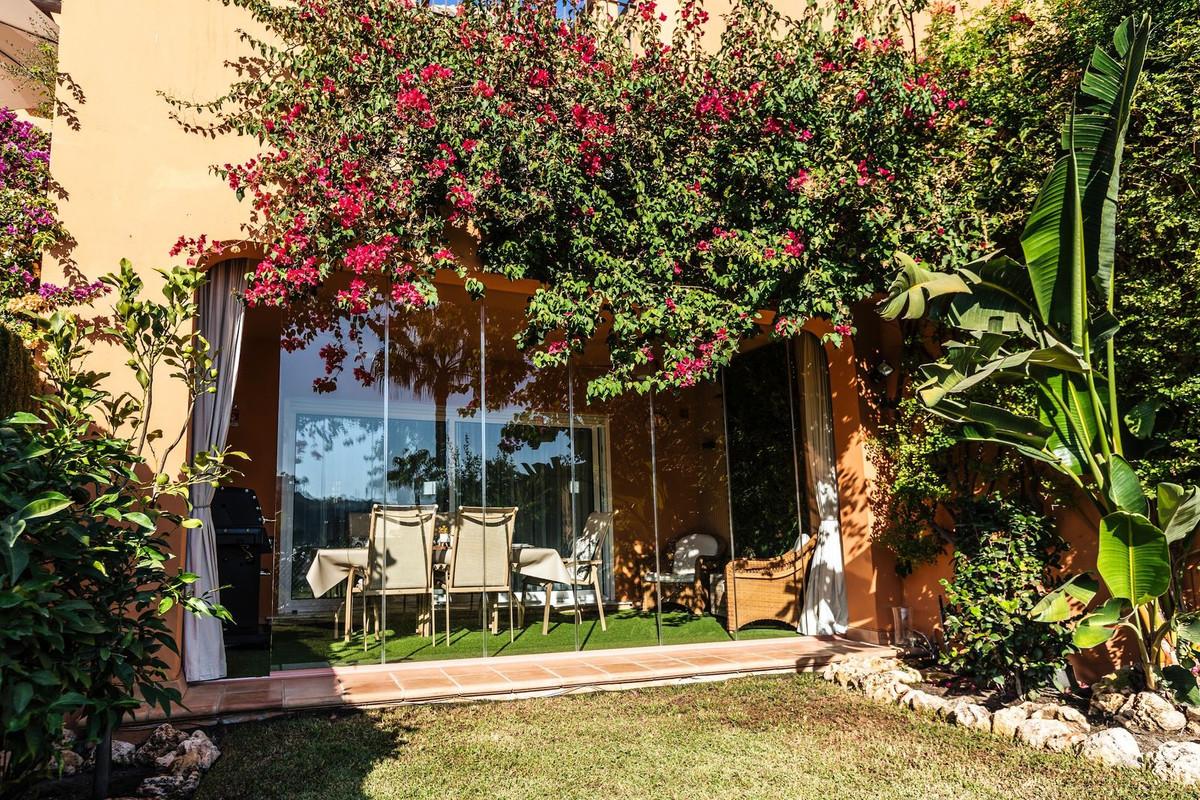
(793, 737)
(301, 643)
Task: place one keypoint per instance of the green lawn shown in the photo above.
(771, 737)
(312, 643)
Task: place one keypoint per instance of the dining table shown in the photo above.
(333, 565)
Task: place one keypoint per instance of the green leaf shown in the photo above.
(22, 694)
(1140, 419)
(192, 522)
(1101, 121)
(1187, 627)
(1183, 684)
(1124, 488)
(1085, 636)
(23, 418)
(44, 506)
(1178, 510)
(1133, 557)
(914, 287)
(1097, 627)
(140, 519)
(1056, 605)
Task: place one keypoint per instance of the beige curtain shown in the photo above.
(824, 610)
(221, 312)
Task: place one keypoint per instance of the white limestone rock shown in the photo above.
(162, 741)
(1113, 747)
(195, 754)
(1152, 712)
(1006, 721)
(972, 716)
(883, 689)
(1106, 704)
(71, 761)
(1038, 733)
(924, 702)
(1176, 761)
(170, 787)
(1064, 713)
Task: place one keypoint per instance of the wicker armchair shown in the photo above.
(758, 589)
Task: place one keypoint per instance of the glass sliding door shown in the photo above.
(527, 453)
(434, 394)
(761, 593)
(330, 472)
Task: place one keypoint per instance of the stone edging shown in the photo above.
(1043, 726)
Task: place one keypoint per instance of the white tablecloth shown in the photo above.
(541, 564)
(332, 566)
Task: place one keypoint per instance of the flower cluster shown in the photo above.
(649, 180)
(29, 225)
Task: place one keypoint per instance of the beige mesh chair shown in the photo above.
(481, 560)
(587, 557)
(399, 559)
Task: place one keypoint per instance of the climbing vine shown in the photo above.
(662, 181)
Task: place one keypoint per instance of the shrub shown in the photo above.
(1004, 554)
(87, 504)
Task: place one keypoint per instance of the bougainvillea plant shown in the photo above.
(662, 186)
(29, 224)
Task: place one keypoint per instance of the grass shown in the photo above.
(312, 643)
(767, 737)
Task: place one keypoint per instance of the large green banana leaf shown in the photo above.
(1133, 557)
(1105, 97)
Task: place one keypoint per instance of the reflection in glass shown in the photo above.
(394, 409)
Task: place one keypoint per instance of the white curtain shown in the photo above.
(220, 322)
(824, 610)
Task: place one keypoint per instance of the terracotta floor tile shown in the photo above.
(622, 668)
(310, 687)
(253, 701)
(710, 663)
(417, 689)
(529, 677)
(482, 681)
(575, 671)
(658, 662)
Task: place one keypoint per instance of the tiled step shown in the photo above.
(501, 677)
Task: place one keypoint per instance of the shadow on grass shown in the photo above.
(310, 756)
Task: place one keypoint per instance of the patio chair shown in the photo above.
(587, 557)
(685, 582)
(481, 559)
(399, 558)
(761, 589)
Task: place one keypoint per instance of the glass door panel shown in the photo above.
(527, 452)
(330, 464)
(766, 492)
(434, 366)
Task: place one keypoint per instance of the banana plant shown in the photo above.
(1049, 323)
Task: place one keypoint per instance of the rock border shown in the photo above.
(176, 760)
(1044, 726)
